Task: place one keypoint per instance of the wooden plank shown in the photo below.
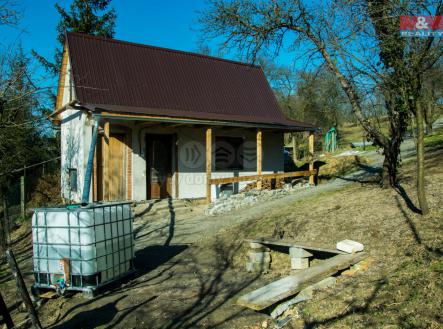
(294, 148)
(259, 157)
(116, 167)
(48, 295)
(99, 168)
(311, 157)
(293, 243)
(208, 163)
(105, 157)
(278, 290)
(176, 168)
(262, 177)
(62, 79)
(65, 263)
(129, 180)
(189, 121)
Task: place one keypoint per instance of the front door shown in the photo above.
(117, 172)
(159, 166)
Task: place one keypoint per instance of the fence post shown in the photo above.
(21, 286)
(311, 157)
(5, 313)
(22, 195)
(4, 224)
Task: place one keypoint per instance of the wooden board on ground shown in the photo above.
(278, 290)
(48, 294)
(293, 243)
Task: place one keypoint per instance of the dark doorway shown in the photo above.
(159, 166)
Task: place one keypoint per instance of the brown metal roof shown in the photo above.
(119, 76)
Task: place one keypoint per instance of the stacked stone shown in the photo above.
(237, 201)
(299, 258)
(259, 258)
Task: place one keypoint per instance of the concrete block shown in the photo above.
(350, 246)
(260, 257)
(256, 245)
(298, 263)
(257, 267)
(299, 253)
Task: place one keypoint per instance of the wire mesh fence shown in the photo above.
(32, 186)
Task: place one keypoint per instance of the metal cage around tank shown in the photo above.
(96, 241)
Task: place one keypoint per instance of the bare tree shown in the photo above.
(9, 12)
(359, 41)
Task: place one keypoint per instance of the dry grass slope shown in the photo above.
(403, 287)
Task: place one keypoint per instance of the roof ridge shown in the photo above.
(188, 53)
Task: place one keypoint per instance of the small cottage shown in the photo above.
(140, 122)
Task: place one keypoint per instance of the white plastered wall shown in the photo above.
(75, 140)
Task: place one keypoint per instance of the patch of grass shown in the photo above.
(340, 166)
(434, 141)
(353, 132)
(366, 148)
(403, 286)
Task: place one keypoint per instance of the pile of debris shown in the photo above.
(266, 185)
(226, 203)
(278, 298)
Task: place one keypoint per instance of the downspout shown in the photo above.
(88, 173)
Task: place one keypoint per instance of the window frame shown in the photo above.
(238, 146)
(73, 172)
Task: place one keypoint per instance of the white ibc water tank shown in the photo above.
(96, 241)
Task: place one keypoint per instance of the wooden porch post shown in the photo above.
(311, 157)
(294, 148)
(105, 157)
(259, 158)
(208, 163)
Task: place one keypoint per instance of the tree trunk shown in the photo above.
(428, 118)
(389, 170)
(3, 221)
(421, 161)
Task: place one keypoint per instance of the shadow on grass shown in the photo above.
(413, 228)
(366, 174)
(354, 307)
(402, 192)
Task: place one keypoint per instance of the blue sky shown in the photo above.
(170, 24)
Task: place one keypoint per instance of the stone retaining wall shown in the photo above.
(242, 200)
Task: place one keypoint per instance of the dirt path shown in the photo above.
(172, 229)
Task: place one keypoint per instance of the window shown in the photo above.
(228, 153)
(72, 173)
